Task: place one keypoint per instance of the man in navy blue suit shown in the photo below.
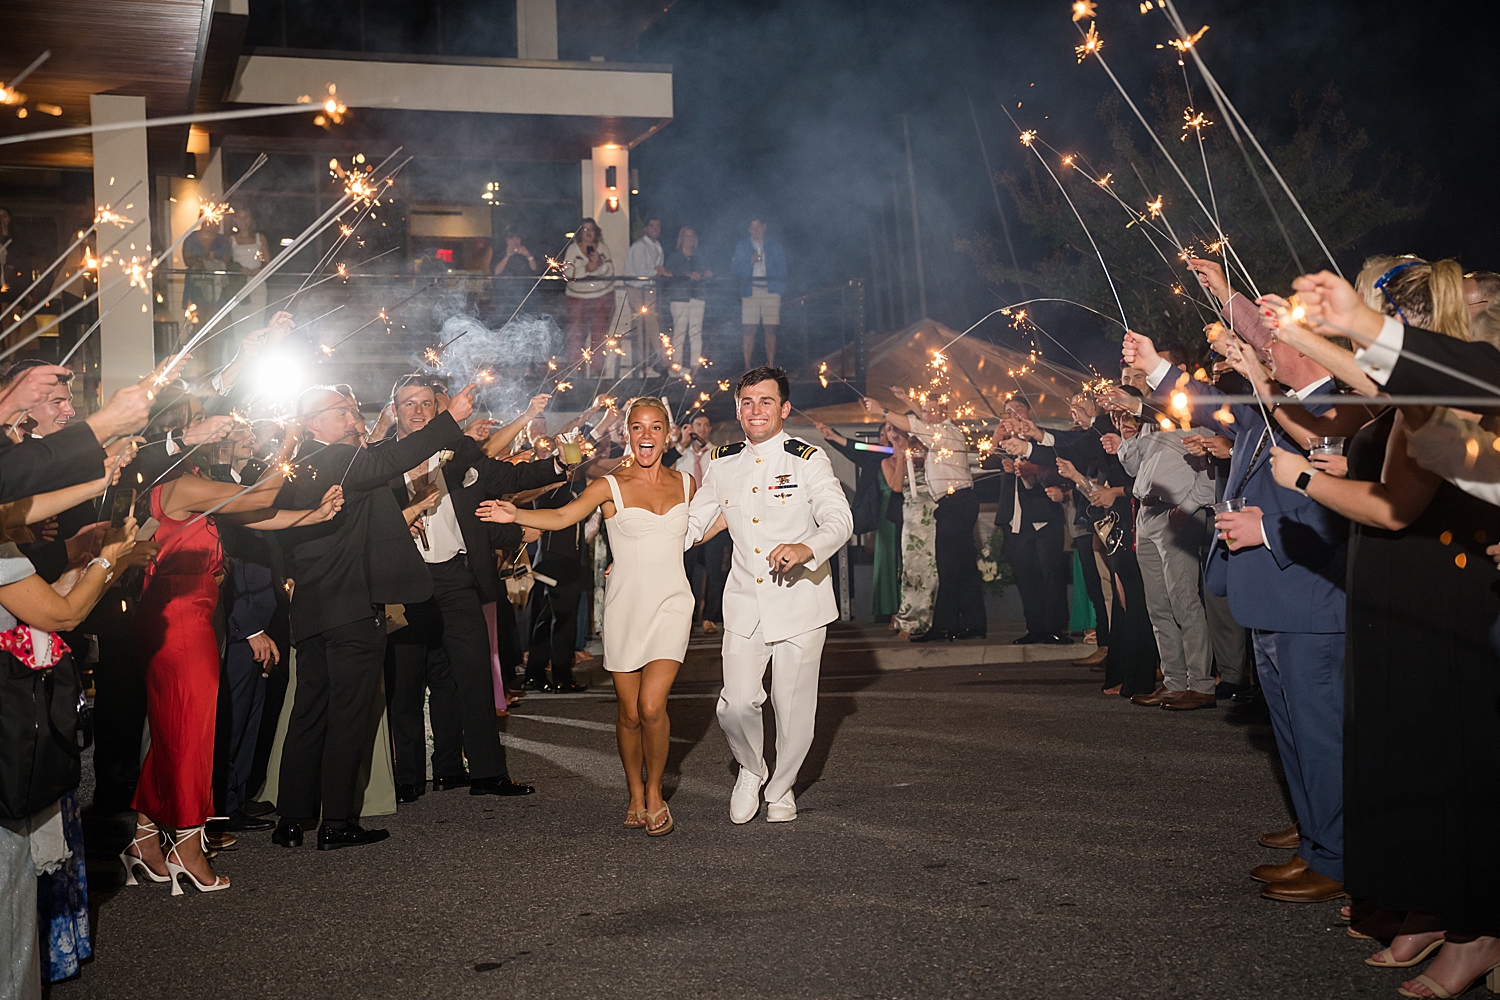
(1281, 562)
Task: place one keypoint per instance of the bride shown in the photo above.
(648, 605)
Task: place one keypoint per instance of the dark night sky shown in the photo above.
(788, 108)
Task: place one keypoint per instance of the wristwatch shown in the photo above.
(1303, 479)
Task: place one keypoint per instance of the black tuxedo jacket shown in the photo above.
(41, 465)
(1035, 506)
(1473, 357)
(364, 556)
(491, 480)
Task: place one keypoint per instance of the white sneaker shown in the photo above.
(783, 810)
(744, 801)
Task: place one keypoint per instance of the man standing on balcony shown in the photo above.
(644, 263)
(760, 264)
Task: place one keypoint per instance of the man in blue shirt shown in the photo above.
(760, 264)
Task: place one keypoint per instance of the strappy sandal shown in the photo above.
(144, 833)
(666, 825)
(635, 819)
(1491, 977)
(1383, 959)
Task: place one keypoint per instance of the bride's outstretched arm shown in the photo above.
(554, 519)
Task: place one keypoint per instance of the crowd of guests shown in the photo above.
(1327, 552)
(632, 333)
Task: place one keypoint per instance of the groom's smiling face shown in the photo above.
(762, 410)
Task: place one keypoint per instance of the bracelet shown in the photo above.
(101, 561)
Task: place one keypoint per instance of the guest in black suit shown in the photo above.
(554, 606)
(457, 554)
(1033, 523)
(344, 572)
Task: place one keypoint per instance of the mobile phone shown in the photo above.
(124, 503)
(147, 530)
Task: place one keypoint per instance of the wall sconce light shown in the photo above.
(609, 178)
(635, 180)
(612, 204)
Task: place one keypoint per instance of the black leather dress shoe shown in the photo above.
(970, 633)
(255, 807)
(441, 783)
(932, 635)
(287, 834)
(410, 793)
(1057, 640)
(1028, 639)
(352, 835)
(572, 687)
(498, 786)
(535, 685)
(242, 822)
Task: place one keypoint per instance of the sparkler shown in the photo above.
(193, 119)
(1028, 139)
(1095, 52)
(1186, 45)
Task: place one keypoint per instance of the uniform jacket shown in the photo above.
(782, 491)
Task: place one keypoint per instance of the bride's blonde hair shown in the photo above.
(647, 401)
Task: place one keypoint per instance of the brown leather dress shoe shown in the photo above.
(1153, 699)
(1279, 873)
(1186, 701)
(1309, 887)
(1289, 839)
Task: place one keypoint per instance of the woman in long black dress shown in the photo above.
(1422, 683)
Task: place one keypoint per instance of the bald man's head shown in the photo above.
(330, 416)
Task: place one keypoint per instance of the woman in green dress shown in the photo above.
(879, 480)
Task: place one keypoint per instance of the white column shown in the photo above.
(536, 29)
(126, 348)
(596, 199)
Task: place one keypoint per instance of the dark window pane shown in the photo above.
(479, 28)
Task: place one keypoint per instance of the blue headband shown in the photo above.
(1385, 278)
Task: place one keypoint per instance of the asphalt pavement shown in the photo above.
(986, 831)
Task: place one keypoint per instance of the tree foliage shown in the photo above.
(1347, 190)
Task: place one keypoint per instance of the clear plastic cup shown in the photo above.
(1325, 446)
(1231, 506)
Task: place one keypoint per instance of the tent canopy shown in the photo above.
(975, 367)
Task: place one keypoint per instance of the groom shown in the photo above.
(787, 514)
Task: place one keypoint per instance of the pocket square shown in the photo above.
(471, 477)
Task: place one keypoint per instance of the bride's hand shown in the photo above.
(498, 511)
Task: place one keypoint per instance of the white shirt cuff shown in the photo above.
(254, 634)
(1047, 439)
(1379, 359)
(172, 446)
(1154, 378)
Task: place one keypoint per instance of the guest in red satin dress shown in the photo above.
(174, 636)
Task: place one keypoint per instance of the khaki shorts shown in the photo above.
(761, 307)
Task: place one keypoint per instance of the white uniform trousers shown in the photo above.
(794, 697)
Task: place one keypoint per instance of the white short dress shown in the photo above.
(648, 605)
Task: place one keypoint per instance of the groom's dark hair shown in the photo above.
(765, 373)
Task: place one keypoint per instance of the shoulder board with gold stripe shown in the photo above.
(725, 450)
(799, 448)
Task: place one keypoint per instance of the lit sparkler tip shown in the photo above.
(1084, 8)
(326, 349)
(1092, 43)
(1183, 44)
(1028, 137)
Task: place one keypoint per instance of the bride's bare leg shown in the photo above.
(628, 734)
(656, 728)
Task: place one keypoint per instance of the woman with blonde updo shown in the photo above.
(648, 605)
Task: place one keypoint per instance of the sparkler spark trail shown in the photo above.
(1028, 139)
(1232, 116)
(1159, 145)
(217, 116)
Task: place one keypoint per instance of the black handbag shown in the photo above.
(895, 509)
(44, 729)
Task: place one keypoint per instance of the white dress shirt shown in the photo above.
(947, 456)
(444, 537)
(643, 258)
(1378, 359)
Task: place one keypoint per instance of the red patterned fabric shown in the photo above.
(18, 643)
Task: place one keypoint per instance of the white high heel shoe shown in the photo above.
(176, 868)
(144, 833)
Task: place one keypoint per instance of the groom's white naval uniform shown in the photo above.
(781, 491)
